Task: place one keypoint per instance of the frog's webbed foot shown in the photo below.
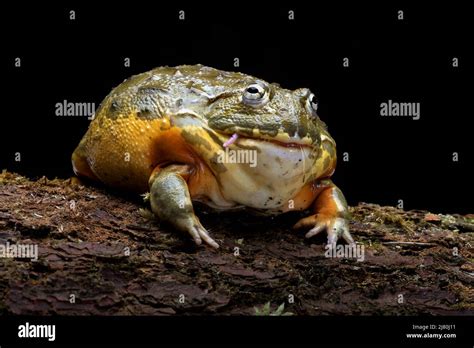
(331, 215)
(171, 202)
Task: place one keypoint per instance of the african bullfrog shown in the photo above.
(226, 139)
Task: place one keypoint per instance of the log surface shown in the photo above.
(102, 253)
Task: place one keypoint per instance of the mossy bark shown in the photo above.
(103, 253)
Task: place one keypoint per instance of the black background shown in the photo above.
(390, 158)
(349, 331)
(406, 61)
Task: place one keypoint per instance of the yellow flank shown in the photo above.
(120, 151)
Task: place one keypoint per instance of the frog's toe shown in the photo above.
(315, 230)
(335, 227)
(306, 222)
(347, 236)
(199, 233)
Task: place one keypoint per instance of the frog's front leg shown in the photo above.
(331, 214)
(171, 202)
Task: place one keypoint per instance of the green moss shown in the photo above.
(394, 219)
(267, 311)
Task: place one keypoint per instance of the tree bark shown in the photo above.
(103, 253)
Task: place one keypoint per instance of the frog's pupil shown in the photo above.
(313, 99)
(252, 90)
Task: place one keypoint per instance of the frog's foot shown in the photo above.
(171, 202)
(336, 227)
(331, 214)
(193, 226)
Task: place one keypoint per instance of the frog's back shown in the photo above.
(132, 133)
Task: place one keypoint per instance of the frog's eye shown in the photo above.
(312, 103)
(254, 94)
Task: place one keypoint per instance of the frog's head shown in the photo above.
(266, 112)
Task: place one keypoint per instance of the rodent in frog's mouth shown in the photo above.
(235, 136)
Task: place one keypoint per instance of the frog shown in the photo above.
(186, 134)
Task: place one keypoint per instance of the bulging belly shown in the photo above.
(263, 175)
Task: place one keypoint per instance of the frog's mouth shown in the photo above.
(278, 140)
(267, 128)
